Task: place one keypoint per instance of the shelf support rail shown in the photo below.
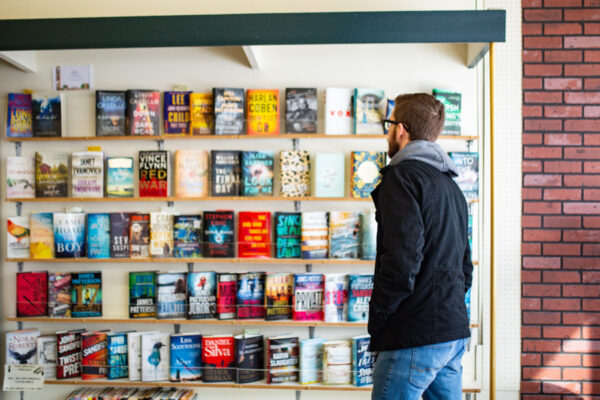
(19, 207)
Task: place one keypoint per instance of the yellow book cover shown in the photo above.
(365, 172)
(191, 173)
(201, 114)
(41, 235)
(263, 111)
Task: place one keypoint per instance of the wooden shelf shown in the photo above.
(193, 260)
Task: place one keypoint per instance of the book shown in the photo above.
(282, 359)
(69, 235)
(139, 236)
(41, 235)
(228, 111)
(119, 234)
(21, 347)
(467, 165)
(48, 114)
(344, 234)
(308, 297)
(171, 294)
(19, 116)
(32, 294)
(187, 236)
(59, 294)
(218, 358)
(176, 113)
(311, 361)
(86, 294)
(250, 296)
(225, 173)
(226, 295)
(185, 357)
(278, 295)
(94, 355)
(155, 357)
(301, 110)
(360, 288)
(249, 358)
(330, 175)
(218, 234)
(368, 111)
(257, 173)
(254, 234)
(452, 110)
(201, 114)
(98, 235)
(294, 171)
(20, 177)
(336, 297)
(154, 173)
(337, 362)
(87, 174)
(338, 111)
(134, 355)
(468, 303)
(365, 172)
(191, 173)
(17, 237)
(51, 174)
(202, 295)
(143, 113)
(46, 355)
(363, 361)
(111, 107)
(119, 177)
(389, 110)
(68, 357)
(142, 294)
(117, 355)
(368, 235)
(161, 234)
(263, 111)
(315, 234)
(288, 228)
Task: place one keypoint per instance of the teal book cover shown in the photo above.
(119, 177)
(69, 235)
(117, 355)
(330, 171)
(452, 107)
(98, 235)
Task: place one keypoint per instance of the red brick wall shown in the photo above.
(561, 200)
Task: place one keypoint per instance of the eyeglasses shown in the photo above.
(387, 124)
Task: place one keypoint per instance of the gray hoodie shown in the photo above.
(428, 152)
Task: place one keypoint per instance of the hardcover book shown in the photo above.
(48, 114)
(17, 237)
(46, 355)
(263, 111)
(254, 235)
(155, 357)
(315, 234)
(186, 357)
(344, 234)
(51, 174)
(177, 113)
(21, 347)
(139, 236)
(301, 110)
(69, 235)
(229, 111)
(218, 234)
(330, 175)
(154, 173)
(41, 235)
(20, 177)
(368, 235)
(191, 173)
(249, 358)
(86, 294)
(360, 288)
(87, 174)
(218, 358)
(32, 294)
(251, 295)
(282, 358)
(257, 173)
(337, 362)
(187, 236)
(308, 297)
(336, 297)
(226, 295)
(311, 360)
(201, 114)
(171, 294)
(288, 234)
(452, 107)
(294, 173)
(338, 111)
(117, 355)
(134, 355)
(363, 361)
(111, 106)
(19, 116)
(202, 295)
(119, 235)
(143, 113)
(368, 111)
(467, 165)
(468, 303)
(68, 363)
(278, 295)
(119, 177)
(161, 234)
(94, 355)
(225, 173)
(98, 235)
(389, 109)
(142, 294)
(365, 172)
(59, 294)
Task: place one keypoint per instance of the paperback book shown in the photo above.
(143, 113)
(249, 358)
(278, 295)
(263, 111)
(251, 295)
(226, 295)
(315, 234)
(225, 173)
(452, 107)
(86, 294)
(344, 234)
(111, 107)
(191, 173)
(467, 165)
(201, 114)
(48, 114)
(41, 235)
(294, 177)
(21, 346)
(257, 173)
(68, 363)
(311, 360)
(46, 355)
(363, 361)
(59, 294)
(20, 177)
(282, 358)
(51, 174)
(187, 236)
(32, 294)
(119, 235)
(202, 295)
(365, 172)
(338, 111)
(177, 113)
(139, 236)
(161, 234)
(337, 362)
(308, 297)
(154, 173)
(368, 235)
(186, 357)
(254, 234)
(98, 235)
(155, 357)
(360, 288)
(368, 111)
(94, 355)
(218, 358)
(19, 116)
(218, 234)
(171, 294)
(229, 111)
(17, 237)
(117, 355)
(142, 294)
(134, 355)
(119, 177)
(336, 297)
(288, 234)
(301, 110)
(330, 175)
(69, 235)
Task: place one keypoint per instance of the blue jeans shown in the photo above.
(433, 372)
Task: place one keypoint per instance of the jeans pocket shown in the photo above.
(426, 361)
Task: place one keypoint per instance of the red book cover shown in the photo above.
(254, 234)
(94, 355)
(308, 297)
(68, 352)
(226, 295)
(32, 294)
(154, 173)
(218, 358)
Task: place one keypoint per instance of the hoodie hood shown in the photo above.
(428, 152)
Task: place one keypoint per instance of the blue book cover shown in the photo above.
(468, 303)
(362, 361)
(186, 357)
(48, 114)
(117, 355)
(251, 295)
(171, 294)
(368, 236)
(119, 177)
(330, 175)
(98, 235)
(365, 172)
(467, 165)
(177, 113)
(344, 234)
(360, 288)
(18, 117)
(110, 113)
(368, 111)
(86, 294)
(202, 295)
(187, 236)
(69, 235)
(389, 109)
(311, 360)
(257, 173)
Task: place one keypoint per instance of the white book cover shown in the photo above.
(20, 177)
(46, 355)
(311, 360)
(134, 355)
(337, 362)
(191, 173)
(17, 237)
(21, 347)
(87, 174)
(338, 111)
(330, 175)
(336, 297)
(315, 234)
(161, 234)
(155, 357)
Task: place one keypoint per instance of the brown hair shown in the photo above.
(421, 114)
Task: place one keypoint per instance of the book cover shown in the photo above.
(336, 297)
(257, 173)
(389, 109)
(87, 174)
(467, 165)
(59, 294)
(111, 106)
(19, 116)
(155, 357)
(46, 355)
(48, 114)
(139, 236)
(51, 174)
(142, 294)
(134, 355)
(94, 355)
(282, 358)
(338, 111)
(368, 235)
(202, 120)
(69, 235)
(337, 362)
(119, 235)
(365, 172)
(161, 234)
(363, 361)
(263, 111)
(278, 295)
(119, 177)
(330, 175)
(32, 294)
(176, 113)
(251, 295)
(301, 110)
(308, 297)
(171, 294)
(117, 355)
(360, 288)
(311, 360)
(191, 173)
(468, 303)
(452, 107)
(368, 111)
(20, 177)
(254, 234)
(86, 294)
(294, 171)
(218, 358)
(228, 111)
(21, 346)
(225, 173)
(17, 237)
(187, 236)
(218, 234)
(68, 363)
(41, 231)
(98, 235)
(344, 234)
(249, 358)
(226, 295)
(154, 173)
(202, 295)
(143, 113)
(315, 234)
(288, 234)
(185, 357)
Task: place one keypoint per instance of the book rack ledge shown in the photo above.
(194, 260)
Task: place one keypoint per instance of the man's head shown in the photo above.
(418, 116)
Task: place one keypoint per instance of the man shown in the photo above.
(417, 316)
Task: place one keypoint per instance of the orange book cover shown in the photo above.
(202, 114)
(263, 111)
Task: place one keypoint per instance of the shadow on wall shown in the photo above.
(551, 390)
